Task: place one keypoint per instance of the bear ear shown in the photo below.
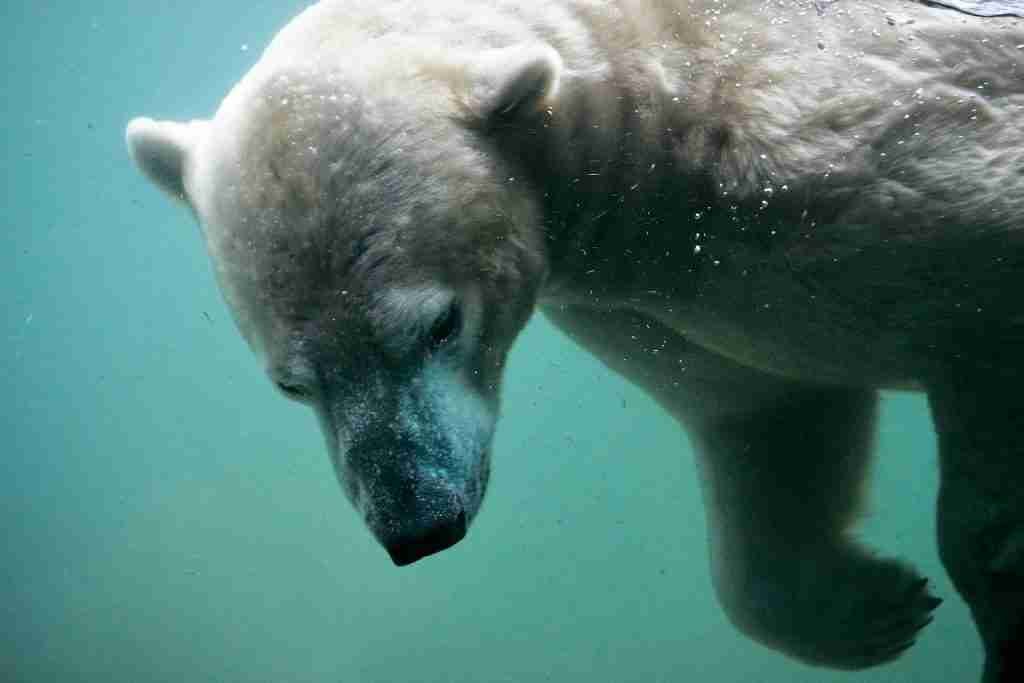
(161, 150)
(507, 82)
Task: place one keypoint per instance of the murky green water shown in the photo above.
(166, 517)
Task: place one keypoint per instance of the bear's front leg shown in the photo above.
(981, 507)
(784, 467)
(783, 486)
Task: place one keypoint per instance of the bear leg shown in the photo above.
(784, 466)
(783, 485)
(981, 507)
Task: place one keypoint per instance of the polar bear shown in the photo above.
(760, 213)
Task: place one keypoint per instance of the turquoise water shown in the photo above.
(168, 518)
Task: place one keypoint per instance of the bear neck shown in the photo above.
(605, 163)
(645, 131)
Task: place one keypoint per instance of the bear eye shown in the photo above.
(447, 326)
(293, 391)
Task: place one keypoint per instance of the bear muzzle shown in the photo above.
(418, 486)
(420, 514)
(414, 510)
(414, 544)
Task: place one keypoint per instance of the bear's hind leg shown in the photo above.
(980, 425)
(783, 485)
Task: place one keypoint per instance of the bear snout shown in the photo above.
(425, 539)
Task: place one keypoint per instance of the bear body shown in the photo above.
(761, 213)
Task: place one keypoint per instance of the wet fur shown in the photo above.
(759, 212)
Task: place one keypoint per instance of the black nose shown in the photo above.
(408, 548)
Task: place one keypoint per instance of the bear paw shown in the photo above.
(840, 607)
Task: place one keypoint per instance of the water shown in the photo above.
(166, 517)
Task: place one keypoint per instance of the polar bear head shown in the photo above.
(379, 257)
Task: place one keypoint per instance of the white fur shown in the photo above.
(760, 212)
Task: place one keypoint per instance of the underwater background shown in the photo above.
(167, 517)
